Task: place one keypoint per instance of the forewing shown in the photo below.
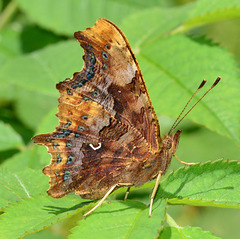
(112, 78)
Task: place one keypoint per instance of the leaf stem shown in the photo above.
(171, 222)
(7, 13)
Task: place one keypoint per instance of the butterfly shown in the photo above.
(109, 135)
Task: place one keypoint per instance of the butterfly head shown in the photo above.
(168, 148)
(170, 142)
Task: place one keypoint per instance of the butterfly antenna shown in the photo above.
(177, 121)
(201, 85)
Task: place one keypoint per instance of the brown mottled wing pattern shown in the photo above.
(108, 129)
(120, 81)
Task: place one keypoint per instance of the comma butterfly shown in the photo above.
(109, 134)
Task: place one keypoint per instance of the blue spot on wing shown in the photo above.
(66, 175)
(70, 159)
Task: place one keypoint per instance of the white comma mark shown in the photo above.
(95, 148)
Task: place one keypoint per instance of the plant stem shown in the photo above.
(7, 13)
(171, 222)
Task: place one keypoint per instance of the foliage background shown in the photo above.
(37, 50)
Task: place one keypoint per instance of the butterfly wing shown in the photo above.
(116, 81)
(91, 151)
(108, 129)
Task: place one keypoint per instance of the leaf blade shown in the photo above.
(125, 220)
(16, 186)
(210, 184)
(33, 214)
(9, 138)
(204, 13)
(186, 232)
(79, 14)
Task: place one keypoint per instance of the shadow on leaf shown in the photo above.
(126, 205)
(58, 210)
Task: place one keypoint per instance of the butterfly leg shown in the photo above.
(180, 161)
(154, 192)
(127, 192)
(102, 200)
(105, 196)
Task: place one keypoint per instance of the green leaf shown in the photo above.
(9, 138)
(35, 75)
(34, 38)
(66, 17)
(46, 234)
(126, 220)
(152, 23)
(47, 125)
(209, 184)
(204, 13)
(185, 232)
(202, 145)
(17, 186)
(46, 67)
(32, 106)
(29, 158)
(49, 122)
(174, 67)
(142, 27)
(35, 213)
(10, 44)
